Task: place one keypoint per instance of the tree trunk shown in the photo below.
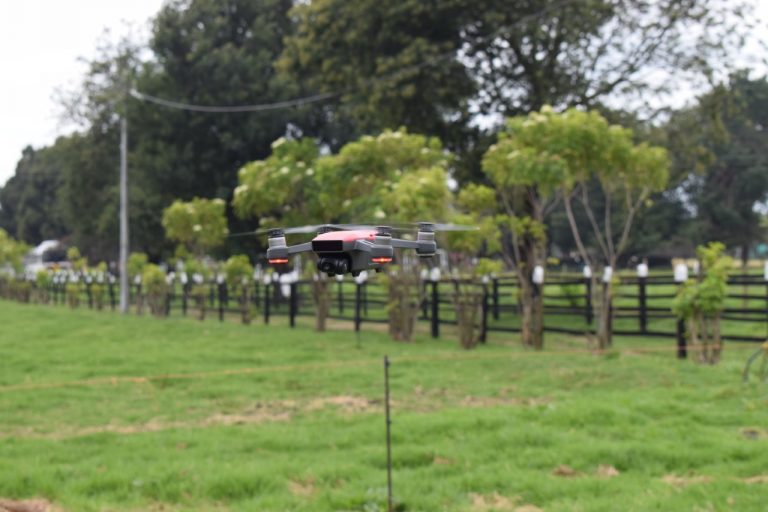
(704, 332)
(468, 303)
(245, 305)
(402, 308)
(717, 342)
(322, 297)
(605, 317)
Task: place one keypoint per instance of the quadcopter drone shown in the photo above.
(351, 248)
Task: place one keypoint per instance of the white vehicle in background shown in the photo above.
(49, 254)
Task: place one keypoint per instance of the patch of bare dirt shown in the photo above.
(495, 501)
(302, 488)
(754, 433)
(684, 481)
(759, 479)
(284, 410)
(565, 471)
(443, 461)
(606, 471)
(499, 503)
(348, 404)
(494, 401)
(36, 505)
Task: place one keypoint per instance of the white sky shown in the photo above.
(40, 43)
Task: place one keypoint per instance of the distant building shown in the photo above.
(48, 254)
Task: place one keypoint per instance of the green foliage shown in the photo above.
(363, 177)
(30, 209)
(237, 270)
(78, 262)
(43, 279)
(332, 49)
(155, 287)
(11, 252)
(201, 224)
(137, 261)
(153, 280)
(283, 185)
(395, 175)
(487, 266)
(705, 296)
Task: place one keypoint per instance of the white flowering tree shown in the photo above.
(395, 176)
(200, 224)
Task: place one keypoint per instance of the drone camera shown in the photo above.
(333, 265)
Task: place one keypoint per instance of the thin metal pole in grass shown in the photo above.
(389, 434)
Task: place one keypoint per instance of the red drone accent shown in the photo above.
(278, 261)
(381, 260)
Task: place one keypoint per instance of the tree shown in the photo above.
(431, 67)
(734, 184)
(395, 176)
(386, 59)
(11, 252)
(200, 224)
(201, 51)
(526, 55)
(29, 201)
(603, 157)
(701, 301)
(524, 179)
(238, 271)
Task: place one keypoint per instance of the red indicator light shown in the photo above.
(278, 261)
(381, 260)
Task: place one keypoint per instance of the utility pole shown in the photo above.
(124, 291)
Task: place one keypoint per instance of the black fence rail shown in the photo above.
(641, 307)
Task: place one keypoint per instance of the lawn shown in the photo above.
(103, 412)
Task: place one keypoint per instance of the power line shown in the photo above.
(234, 108)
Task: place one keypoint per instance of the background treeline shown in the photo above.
(451, 70)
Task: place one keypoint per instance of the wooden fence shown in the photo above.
(641, 306)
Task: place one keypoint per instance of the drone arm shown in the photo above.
(423, 248)
(405, 244)
(294, 249)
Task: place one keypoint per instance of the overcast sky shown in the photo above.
(40, 43)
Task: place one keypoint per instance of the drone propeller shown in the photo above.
(295, 230)
(324, 228)
(437, 226)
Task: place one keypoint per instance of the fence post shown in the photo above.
(495, 298)
(211, 295)
(680, 277)
(89, 294)
(266, 303)
(111, 286)
(358, 293)
(588, 308)
(641, 283)
(682, 350)
(435, 310)
(484, 315)
(340, 296)
(184, 297)
(365, 298)
(292, 304)
(222, 295)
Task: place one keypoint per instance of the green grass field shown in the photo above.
(103, 412)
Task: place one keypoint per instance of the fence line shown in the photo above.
(641, 305)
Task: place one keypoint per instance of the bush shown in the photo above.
(155, 288)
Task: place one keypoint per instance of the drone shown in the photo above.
(352, 248)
